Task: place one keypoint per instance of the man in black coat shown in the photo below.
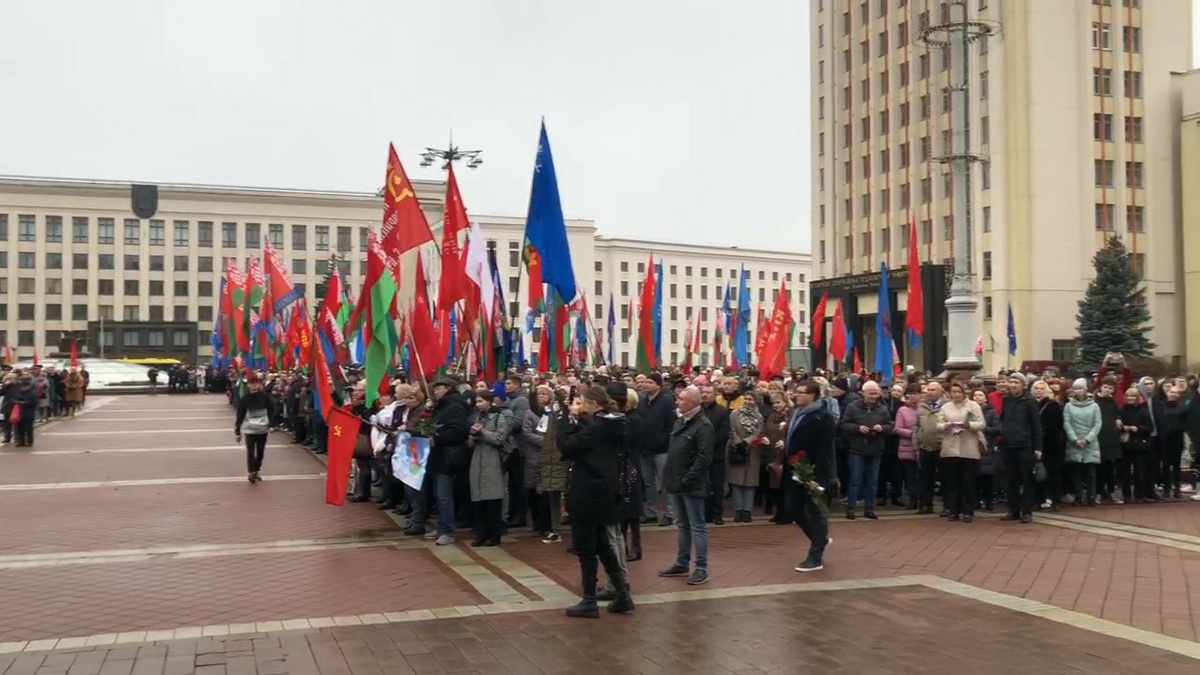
(656, 418)
(685, 480)
(449, 453)
(1021, 442)
(812, 431)
(718, 415)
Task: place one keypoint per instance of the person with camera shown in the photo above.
(865, 425)
(594, 438)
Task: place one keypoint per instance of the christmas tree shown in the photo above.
(1112, 315)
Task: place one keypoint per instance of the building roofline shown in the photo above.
(200, 188)
(626, 242)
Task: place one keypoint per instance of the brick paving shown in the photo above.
(909, 629)
(1182, 517)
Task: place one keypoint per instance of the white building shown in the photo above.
(72, 254)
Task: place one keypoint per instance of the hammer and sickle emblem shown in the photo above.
(337, 430)
(400, 192)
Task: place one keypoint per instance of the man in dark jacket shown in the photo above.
(1021, 442)
(685, 480)
(449, 454)
(718, 415)
(656, 417)
(865, 425)
(810, 430)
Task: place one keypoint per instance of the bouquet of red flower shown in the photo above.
(804, 473)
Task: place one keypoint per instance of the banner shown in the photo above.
(410, 458)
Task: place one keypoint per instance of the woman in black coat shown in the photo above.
(1172, 427)
(1137, 426)
(594, 438)
(1054, 442)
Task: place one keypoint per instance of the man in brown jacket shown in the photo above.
(928, 441)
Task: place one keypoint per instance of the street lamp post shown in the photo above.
(963, 323)
(451, 154)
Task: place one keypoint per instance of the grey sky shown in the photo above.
(670, 119)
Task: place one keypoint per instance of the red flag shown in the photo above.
(8, 354)
(452, 286)
(562, 335)
(818, 321)
(279, 281)
(857, 362)
(343, 433)
(914, 318)
(533, 269)
(543, 363)
(74, 354)
(779, 332)
(324, 383)
(423, 337)
(35, 358)
(404, 223)
(760, 337)
(837, 340)
(646, 356)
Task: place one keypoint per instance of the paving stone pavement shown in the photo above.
(132, 543)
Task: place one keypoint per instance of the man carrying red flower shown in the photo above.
(809, 444)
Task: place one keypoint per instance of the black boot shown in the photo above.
(587, 608)
(623, 603)
(608, 593)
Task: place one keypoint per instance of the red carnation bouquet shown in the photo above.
(804, 473)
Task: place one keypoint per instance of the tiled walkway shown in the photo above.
(131, 543)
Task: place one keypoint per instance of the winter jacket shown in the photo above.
(26, 397)
(554, 467)
(1138, 416)
(1110, 436)
(990, 463)
(965, 444)
(656, 418)
(689, 455)
(531, 447)
(1021, 423)
(595, 447)
(1173, 426)
(745, 425)
(1082, 419)
(859, 414)
(926, 435)
(814, 436)
(491, 447)
(452, 426)
(719, 416)
(905, 428)
(1050, 414)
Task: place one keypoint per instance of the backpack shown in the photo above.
(256, 422)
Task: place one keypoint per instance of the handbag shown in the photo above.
(1039, 472)
(14, 416)
(739, 454)
(362, 447)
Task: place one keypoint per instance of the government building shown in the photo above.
(1074, 115)
(76, 261)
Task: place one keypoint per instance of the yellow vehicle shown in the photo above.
(153, 362)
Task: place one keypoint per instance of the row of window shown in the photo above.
(156, 233)
(1102, 82)
(150, 337)
(55, 312)
(54, 286)
(1106, 173)
(673, 292)
(1102, 127)
(1106, 218)
(1131, 37)
(155, 263)
(673, 270)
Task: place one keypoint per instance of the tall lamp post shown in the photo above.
(452, 153)
(963, 323)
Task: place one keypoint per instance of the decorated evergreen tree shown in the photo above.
(1112, 315)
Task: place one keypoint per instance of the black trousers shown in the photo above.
(594, 549)
(715, 504)
(928, 473)
(809, 517)
(891, 476)
(489, 519)
(1142, 484)
(1083, 478)
(1055, 465)
(1020, 486)
(958, 481)
(362, 486)
(1172, 456)
(256, 445)
(518, 507)
(539, 508)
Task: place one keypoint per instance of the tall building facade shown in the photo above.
(74, 259)
(1070, 106)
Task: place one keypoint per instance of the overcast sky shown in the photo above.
(671, 119)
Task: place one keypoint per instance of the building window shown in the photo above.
(106, 261)
(206, 289)
(204, 234)
(130, 338)
(1133, 128)
(1133, 84)
(1133, 174)
(624, 289)
(1104, 217)
(79, 312)
(322, 234)
(1101, 36)
(26, 285)
(180, 338)
(343, 238)
(987, 265)
(987, 219)
(54, 312)
(25, 312)
(54, 229)
(1102, 126)
(985, 130)
(1102, 81)
(983, 86)
(987, 307)
(205, 313)
(1135, 218)
(253, 236)
(1139, 264)
(180, 313)
(1104, 172)
(275, 234)
(181, 263)
(26, 228)
(181, 289)
(79, 229)
(156, 263)
(158, 233)
(133, 231)
(1132, 39)
(1064, 350)
(322, 267)
(204, 263)
(299, 237)
(3, 228)
(27, 260)
(132, 263)
(53, 261)
(106, 288)
(229, 235)
(79, 287)
(299, 266)
(131, 287)
(24, 338)
(181, 232)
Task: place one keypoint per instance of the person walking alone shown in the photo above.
(253, 423)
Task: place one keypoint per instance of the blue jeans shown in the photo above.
(689, 518)
(416, 500)
(444, 487)
(652, 473)
(864, 472)
(743, 497)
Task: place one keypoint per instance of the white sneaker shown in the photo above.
(1047, 504)
(552, 538)
(432, 536)
(1195, 498)
(444, 540)
(1117, 498)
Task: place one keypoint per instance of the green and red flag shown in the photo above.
(378, 296)
(255, 282)
(646, 360)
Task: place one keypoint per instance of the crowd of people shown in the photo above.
(605, 452)
(35, 395)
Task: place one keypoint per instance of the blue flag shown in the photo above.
(656, 315)
(883, 328)
(849, 344)
(741, 327)
(1012, 332)
(545, 228)
(612, 326)
(727, 311)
